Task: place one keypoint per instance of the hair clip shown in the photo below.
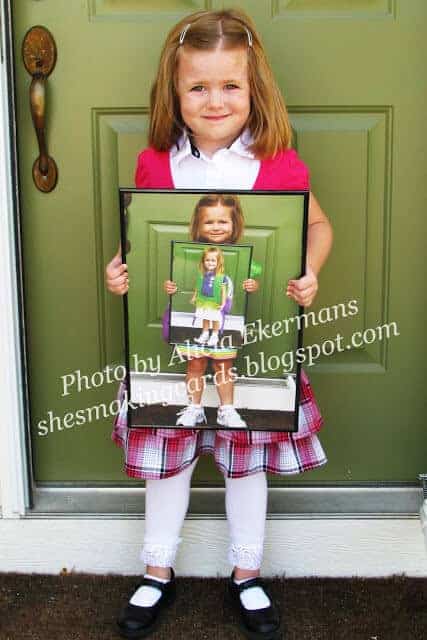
(184, 33)
(249, 36)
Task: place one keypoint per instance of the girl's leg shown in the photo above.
(204, 336)
(246, 507)
(214, 339)
(196, 368)
(224, 380)
(166, 504)
(194, 414)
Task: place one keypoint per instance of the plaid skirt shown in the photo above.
(160, 453)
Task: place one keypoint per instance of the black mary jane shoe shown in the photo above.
(257, 624)
(138, 622)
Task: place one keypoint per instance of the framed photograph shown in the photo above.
(207, 319)
(209, 294)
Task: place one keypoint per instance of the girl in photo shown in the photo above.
(216, 218)
(218, 120)
(210, 295)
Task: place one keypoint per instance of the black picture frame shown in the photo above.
(139, 416)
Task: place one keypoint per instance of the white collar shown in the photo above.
(183, 149)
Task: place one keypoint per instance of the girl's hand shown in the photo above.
(116, 275)
(251, 285)
(304, 289)
(170, 287)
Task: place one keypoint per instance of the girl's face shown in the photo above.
(216, 224)
(210, 262)
(214, 95)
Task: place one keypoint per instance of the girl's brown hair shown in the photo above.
(268, 120)
(219, 261)
(229, 201)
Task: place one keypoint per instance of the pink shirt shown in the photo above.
(283, 172)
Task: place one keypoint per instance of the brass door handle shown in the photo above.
(39, 56)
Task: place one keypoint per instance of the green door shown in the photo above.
(353, 75)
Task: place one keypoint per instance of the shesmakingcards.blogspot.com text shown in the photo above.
(251, 366)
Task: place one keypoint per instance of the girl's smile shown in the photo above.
(214, 95)
(216, 224)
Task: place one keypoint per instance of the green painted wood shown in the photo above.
(353, 77)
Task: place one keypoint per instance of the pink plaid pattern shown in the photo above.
(161, 453)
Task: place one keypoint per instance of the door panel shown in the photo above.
(357, 107)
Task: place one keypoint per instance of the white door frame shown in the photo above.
(13, 466)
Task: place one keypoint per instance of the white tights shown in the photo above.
(166, 504)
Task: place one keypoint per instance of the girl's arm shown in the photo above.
(193, 298)
(319, 243)
(223, 295)
(116, 275)
(170, 287)
(250, 285)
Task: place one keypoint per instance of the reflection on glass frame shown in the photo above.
(241, 341)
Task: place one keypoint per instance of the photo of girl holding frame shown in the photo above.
(210, 295)
(216, 218)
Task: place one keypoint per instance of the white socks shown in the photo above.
(147, 596)
(254, 597)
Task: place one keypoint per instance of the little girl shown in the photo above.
(218, 120)
(210, 295)
(216, 218)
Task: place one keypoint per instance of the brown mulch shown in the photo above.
(84, 607)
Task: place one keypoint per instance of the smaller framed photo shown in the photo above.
(210, 304)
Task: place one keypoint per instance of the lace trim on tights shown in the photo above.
(159, 555)
(245, 556)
